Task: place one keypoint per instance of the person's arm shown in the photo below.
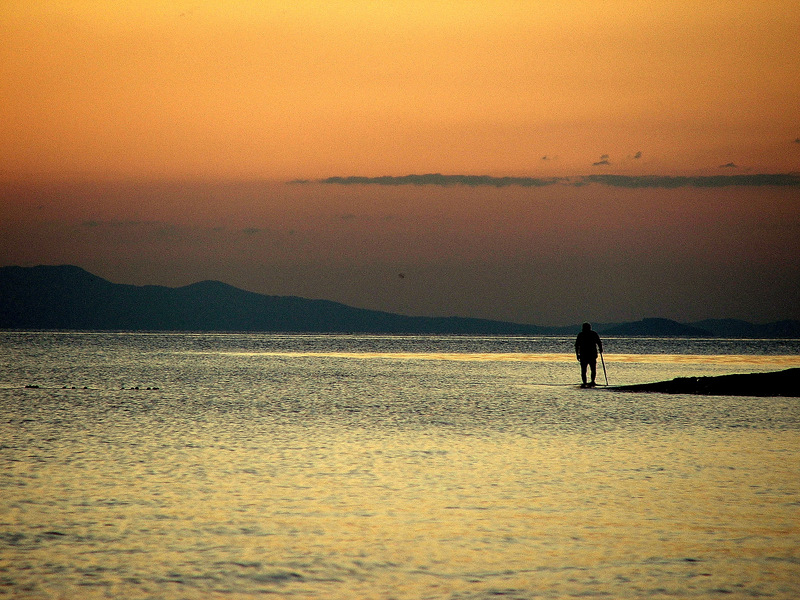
(578, 348)
(600, 344)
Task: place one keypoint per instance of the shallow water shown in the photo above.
(389, 467)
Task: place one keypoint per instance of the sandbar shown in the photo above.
(779, 383)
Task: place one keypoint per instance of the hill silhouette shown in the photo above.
(656, 328)
(68, 297)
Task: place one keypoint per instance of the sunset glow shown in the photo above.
(311, 89)
(153, 142)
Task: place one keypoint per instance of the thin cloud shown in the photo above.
(701, 181)
(600, 163)
(129, 224)
(637, 155)
(446, 180)
(729, 165)
(619, 181)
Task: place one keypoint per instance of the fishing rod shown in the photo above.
(604, 367)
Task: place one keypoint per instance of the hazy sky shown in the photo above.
(627, 147)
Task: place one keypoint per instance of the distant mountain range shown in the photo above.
(68, 297)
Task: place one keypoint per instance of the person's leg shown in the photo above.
(584, 364)
(593, 367)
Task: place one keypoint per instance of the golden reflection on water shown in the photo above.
(785, 361)
(351, 514)
(380, 475)
(754, 359)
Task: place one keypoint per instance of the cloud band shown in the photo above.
(446, 180)
(620, 181)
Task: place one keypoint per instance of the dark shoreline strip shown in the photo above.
(780, 383)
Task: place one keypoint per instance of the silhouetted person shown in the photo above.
(586, 346)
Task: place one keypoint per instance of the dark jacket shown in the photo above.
(586, 345)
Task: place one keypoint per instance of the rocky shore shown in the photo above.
(780, 383)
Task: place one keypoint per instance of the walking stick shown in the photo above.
(604, 367)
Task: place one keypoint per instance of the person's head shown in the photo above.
(587, 327)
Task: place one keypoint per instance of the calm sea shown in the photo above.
(204, 466)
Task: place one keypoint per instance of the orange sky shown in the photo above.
(282, 90)
(152, 142)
